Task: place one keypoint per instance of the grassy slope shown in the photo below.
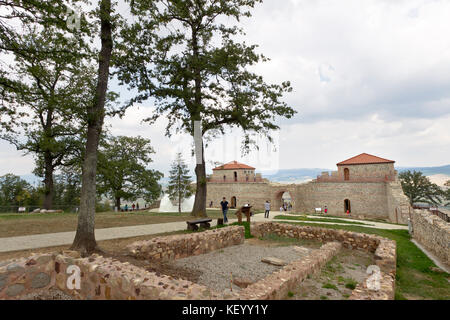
(12, 225)
(414, 278)
(301, 218)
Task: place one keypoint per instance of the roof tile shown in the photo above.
(364, 158)
(233, 165)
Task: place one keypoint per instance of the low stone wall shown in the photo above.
(106, 278)
(433, 233)
(100, 279)
(383, 249)
(277, 285)
(186, 245)
(351, 240)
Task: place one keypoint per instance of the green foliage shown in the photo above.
(413, 277)
(447, 193)
(419, 188)
(351, 284)
(329, 286)
(181, 55)
(15, 191)
(122, 172)
(68, 187)
(47, 85)
(179, 187)
(195, 69)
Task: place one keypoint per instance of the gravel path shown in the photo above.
(244, 261)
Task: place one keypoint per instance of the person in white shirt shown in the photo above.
(267, 208)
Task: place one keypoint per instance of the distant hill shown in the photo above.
(428, 171)
(294, 175)
(302, 174)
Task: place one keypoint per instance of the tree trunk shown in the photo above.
(118, 203)
(85, 237)
(199, 209)
(179, 192)
(48, 184)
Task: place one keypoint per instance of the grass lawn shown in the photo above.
(414, 279)
(12, 225)
(302, 218)
(350, 217)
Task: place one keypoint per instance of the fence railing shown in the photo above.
(444, 216)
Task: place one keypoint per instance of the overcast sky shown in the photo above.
(368, 76)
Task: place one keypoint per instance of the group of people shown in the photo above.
(133, 207)
(225, 206)
(286, 207)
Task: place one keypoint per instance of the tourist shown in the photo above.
(267, 207)
(126, 207)
(326, 210)
(211, 204)
(133, 206)
(281, 209)
(224, 204)
(137, 206)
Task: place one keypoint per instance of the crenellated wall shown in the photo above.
(370, 194)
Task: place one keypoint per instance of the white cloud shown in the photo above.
(368, 76)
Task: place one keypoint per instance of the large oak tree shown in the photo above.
(85, 235)
(123, 172)
(195, 69)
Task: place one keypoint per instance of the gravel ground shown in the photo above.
(244, 261)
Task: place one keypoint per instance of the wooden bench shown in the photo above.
(193, 225)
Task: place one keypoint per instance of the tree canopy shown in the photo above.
(180, 54)
(122, 170)
(418, 188)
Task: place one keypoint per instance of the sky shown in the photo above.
(368, 76)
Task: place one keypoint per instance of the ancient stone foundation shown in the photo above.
(181, 246)
(433, 233)
(384, 250)
(106, 278)
(277, 285)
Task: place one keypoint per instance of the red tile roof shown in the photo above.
(233, 165)
(364, 158)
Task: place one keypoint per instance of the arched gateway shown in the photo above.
(369, 180)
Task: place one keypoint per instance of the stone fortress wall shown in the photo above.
(372, 191)
(433, 233)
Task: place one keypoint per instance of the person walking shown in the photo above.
(224, 204)
(126, 207)
(133, 206)
(267, 208)
(137, 206)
